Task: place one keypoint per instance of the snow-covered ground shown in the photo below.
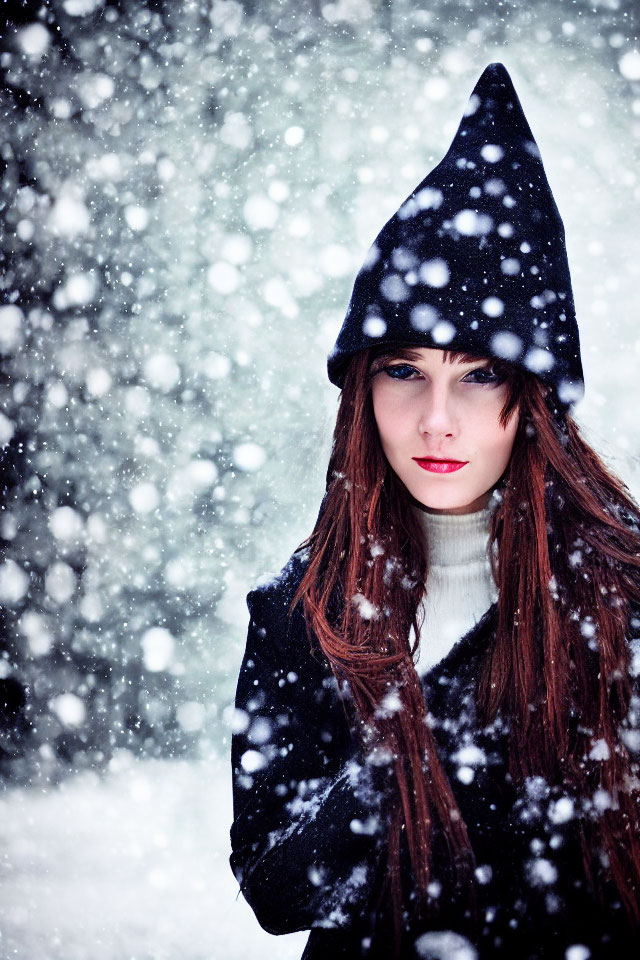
(133, 866)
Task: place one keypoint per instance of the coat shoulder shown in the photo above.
(273, 620)
(272, 595)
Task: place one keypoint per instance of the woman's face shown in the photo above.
(428, 409)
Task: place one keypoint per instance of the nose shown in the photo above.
(437, 416)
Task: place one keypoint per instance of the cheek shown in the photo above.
(495, 443)
(388, 415)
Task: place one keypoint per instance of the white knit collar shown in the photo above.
(455, 538)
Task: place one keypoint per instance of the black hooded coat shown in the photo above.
(310, 813)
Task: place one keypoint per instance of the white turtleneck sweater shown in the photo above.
(459, 587)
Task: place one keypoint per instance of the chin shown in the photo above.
(444, 503)
(446, 500)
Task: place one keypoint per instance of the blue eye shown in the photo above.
(400, 371)
(486, 375)
(481, 376)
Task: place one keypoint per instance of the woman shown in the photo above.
(438, 710)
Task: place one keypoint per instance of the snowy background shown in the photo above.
(187, 191)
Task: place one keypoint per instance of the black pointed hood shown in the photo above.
(475, 259)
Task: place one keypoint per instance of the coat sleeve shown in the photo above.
(309, 814)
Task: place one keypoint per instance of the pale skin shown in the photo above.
(427, 407)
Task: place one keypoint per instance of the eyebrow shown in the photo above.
(407, 353)
(464, 357)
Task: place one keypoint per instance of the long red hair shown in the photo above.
(565, 551)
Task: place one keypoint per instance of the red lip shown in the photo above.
(436, 465)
